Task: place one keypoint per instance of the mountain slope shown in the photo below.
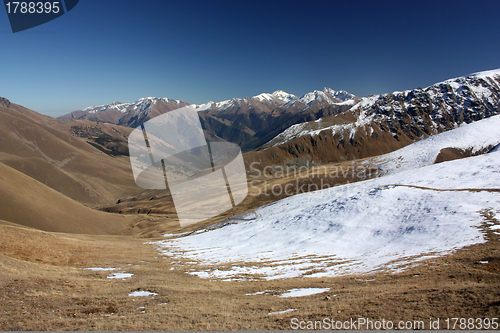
(44, 149)
(468, 140)
(27, 202)
(251, 122)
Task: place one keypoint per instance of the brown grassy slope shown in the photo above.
(112, 139)
(57, 249)
(28, 202)
(44, 149)
(331, 148)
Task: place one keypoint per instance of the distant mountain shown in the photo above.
(357, 127)
(249, 122)
(127, 114)
(382, 123)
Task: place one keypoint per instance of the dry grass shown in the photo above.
(159, 216)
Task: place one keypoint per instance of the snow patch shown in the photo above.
(301, 292)
(281, 312)
(142, 293)
(120, 276)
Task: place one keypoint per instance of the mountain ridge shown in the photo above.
(249, 121)
(382, 123)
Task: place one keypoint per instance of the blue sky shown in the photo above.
(197, 51)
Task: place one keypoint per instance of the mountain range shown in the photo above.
(326, 125)
(383, 123)
(249, 122)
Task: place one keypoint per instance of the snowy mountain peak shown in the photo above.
(114, 106)
(284, 96)
(264, 97)
(154, 100)
(327, 95)
(339, 94)
(277, 97)
(222, 105)
(491, 73)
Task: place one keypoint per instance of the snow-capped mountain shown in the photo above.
(284, 96)
(268, 101)
(127, 114)
(381, 123)
(248, 121)
(253, 121)
(418, 112)
(439, 107)
(116, 106)
(141, 105)
(327, 95)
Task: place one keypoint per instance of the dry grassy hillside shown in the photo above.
(328, 146)
(47, 150)
(28, 202)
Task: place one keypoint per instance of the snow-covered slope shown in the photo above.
(315, 128)
(383, 223)
(474, 137)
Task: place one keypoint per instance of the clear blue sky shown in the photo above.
(196, 51)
